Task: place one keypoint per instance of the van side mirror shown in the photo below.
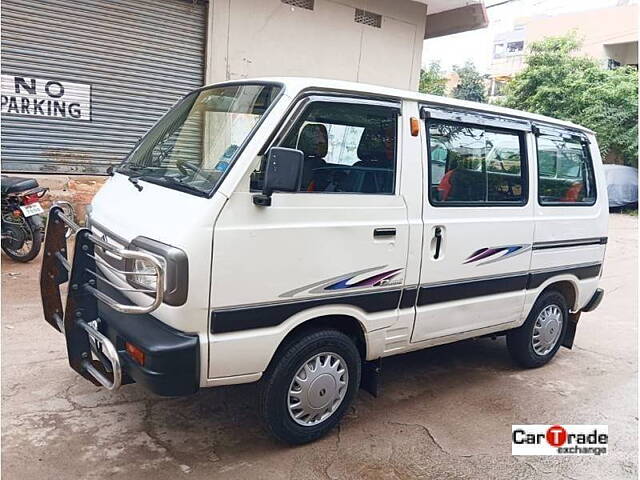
(283, 173)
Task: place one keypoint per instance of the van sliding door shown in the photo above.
(478, 224)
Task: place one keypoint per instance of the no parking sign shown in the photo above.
(40, 97)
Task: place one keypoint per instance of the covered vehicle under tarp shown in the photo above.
(622, 185)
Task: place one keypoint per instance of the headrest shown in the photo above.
(371, 146)
(313, 140)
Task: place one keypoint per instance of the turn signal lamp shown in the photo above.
(135, 352)
(415, 126)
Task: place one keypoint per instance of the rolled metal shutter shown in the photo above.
(138, 57)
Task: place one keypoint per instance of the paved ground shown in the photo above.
(444, 413)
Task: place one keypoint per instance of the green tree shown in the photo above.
(432, 79)
(471, 85)
(560, 83)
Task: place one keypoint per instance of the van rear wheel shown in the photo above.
(539, 338)
(310, 385)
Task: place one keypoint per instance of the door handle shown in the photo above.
(384, 232)
(437, 235)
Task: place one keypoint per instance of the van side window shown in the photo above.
(348, 148)
(475, 165)
(565, 171)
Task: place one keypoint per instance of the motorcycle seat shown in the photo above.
(16, 184)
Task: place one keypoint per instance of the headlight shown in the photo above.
(144, 276)
(176, 268)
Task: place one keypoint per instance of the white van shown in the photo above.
(296, 231)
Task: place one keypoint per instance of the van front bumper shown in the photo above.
(96, 333)
(171, 358)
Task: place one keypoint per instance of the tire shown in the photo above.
(520, 341)
(279, 379)
(35, 225)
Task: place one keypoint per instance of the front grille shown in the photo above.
(110, 238)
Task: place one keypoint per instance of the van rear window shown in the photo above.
(475, 165)
(565, 171)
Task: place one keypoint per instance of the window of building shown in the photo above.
(475, 165)
(498, 50)
(348, 148)
(515, 47)
(497, 87)
(565, 171)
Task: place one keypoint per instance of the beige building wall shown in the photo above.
(452, 82)
(608, 33)
(250, 39)
(599, 30)
(506, 66)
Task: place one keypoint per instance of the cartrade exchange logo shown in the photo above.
(559, 439)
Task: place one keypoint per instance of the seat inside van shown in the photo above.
(314, 144)
(371, 173)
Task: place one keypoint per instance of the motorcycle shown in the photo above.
(22, 225)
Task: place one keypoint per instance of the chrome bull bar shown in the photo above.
(84, 275)
(110, 352)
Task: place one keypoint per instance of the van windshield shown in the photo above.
(192, 146)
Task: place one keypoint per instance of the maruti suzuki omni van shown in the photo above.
(295, 231)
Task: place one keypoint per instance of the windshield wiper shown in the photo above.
(172, 182)
(134, 179)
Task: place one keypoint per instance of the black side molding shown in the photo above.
(586, 271)
(578, 242)
(233, 319)
(409, 296)
(430, 294)
(246, 317)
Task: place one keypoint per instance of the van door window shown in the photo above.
(475, 165)
(348, 148)
(565, 171)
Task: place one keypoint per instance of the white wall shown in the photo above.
(250, 38)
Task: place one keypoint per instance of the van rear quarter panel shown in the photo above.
(560, 223)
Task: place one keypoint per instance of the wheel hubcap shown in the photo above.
(317, 389)
(547, 329)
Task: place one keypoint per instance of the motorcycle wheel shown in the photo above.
(26, 239)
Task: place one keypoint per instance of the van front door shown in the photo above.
(478, 225)
(338, 245)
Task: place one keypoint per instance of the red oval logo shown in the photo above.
(556, 436)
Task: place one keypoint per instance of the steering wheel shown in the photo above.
(187, 168)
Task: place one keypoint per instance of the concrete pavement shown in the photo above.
(445, 412)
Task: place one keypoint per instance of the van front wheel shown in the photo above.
(310, 385)
(539, 338)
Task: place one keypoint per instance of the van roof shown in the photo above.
(294, 85)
